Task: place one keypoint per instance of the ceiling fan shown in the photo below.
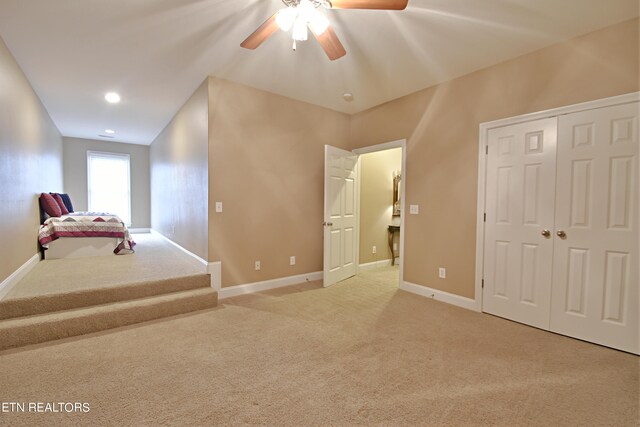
(302, 14)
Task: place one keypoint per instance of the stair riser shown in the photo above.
(100, 321)
(10, 309)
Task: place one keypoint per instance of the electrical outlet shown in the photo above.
(442, 273)
(414, 209)
(257, 265)
(374, 250)
(218, 207)
(292, 260)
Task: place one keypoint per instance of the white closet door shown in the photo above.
(520, 213)
(595, 275)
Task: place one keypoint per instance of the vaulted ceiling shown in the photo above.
(155, 53)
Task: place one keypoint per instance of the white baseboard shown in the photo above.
(204, 263)
(8, 283)
(250, 288)
(214, 269)
(139, 230)
(460, 301)
(374, 265)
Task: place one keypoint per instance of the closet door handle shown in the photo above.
(546, 233)
(561, 234)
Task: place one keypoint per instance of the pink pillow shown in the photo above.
(63, 208)
(50, 205)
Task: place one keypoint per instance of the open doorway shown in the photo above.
(364, 218)
(380, 213)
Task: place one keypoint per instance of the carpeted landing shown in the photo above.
(68, 297)
(154, 259)
(361, 352)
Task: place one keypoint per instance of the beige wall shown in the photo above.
(30, 163)
(179, 176)
(75, 175)
(266, 164)
(376, 202)
(441, 125)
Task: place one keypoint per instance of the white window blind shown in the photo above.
(109, 184)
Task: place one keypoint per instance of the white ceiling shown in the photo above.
(155, 53)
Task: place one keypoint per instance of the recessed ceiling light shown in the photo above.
(348, 96)
(112, 97)
(109, 131)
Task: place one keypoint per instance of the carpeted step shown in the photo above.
(41, 304)
(40, 328)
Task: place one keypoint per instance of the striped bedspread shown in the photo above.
(87, 224)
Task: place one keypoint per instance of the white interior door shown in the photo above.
(595, 275)
(340, 214)
(519, 221)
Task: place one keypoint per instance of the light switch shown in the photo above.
(414, 209)
(218, 207)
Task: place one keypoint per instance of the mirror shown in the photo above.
(397, 176)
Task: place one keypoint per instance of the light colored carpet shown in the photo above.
(361, 352)
(154, 259)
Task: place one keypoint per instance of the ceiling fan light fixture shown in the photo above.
(308, 12)
(302, 15)
(299, 30)
(318, 22)
(285, 18)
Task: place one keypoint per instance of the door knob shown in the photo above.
(561, 234)
(328, 224)
(546, 233)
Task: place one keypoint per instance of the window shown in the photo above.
(109, 185)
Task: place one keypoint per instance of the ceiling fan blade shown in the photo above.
(330, 43)
(261, 34)
(369, 4)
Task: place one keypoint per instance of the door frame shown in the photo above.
(482, 165)
(400, 143)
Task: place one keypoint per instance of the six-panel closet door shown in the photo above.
(595, 267)
(518, 252)
(561, 247)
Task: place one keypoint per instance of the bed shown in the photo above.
(83, 234)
